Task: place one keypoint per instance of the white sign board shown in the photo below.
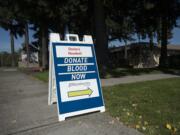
(73, 76)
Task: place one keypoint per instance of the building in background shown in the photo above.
(139, 55)
(34, 57)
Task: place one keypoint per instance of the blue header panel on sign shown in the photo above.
(77, 79)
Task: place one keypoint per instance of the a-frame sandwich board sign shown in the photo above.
(73, 76)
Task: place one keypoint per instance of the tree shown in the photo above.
(120, 22)
(169, 12)
(101, 40)
(116, 18)
(45, 18)
(9, 22)
(37, 12)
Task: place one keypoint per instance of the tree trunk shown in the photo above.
(40, 51)
(125, 50)
(44, 38)
(151, 44)
(12, 49)
(100, 36)
(139, 38)
(159, 38)
(164, 41)
(2, 64)
(159, 33)
(26, 40)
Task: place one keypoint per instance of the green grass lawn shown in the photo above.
(152, 107)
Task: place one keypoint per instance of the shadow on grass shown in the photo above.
(112, 73)
(170, 71)
(120, 72)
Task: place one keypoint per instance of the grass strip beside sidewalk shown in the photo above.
(43, 76)
(152, 107)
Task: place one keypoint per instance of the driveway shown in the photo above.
(24, 110)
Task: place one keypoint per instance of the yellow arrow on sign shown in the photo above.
(80, 93)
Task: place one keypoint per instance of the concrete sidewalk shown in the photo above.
(24, 111)
(135, 78)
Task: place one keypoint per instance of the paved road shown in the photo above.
(24, 111)
(136, 78)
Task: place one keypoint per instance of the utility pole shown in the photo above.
(12, 49)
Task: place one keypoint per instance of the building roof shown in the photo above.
(172, 47)
(129, 46)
